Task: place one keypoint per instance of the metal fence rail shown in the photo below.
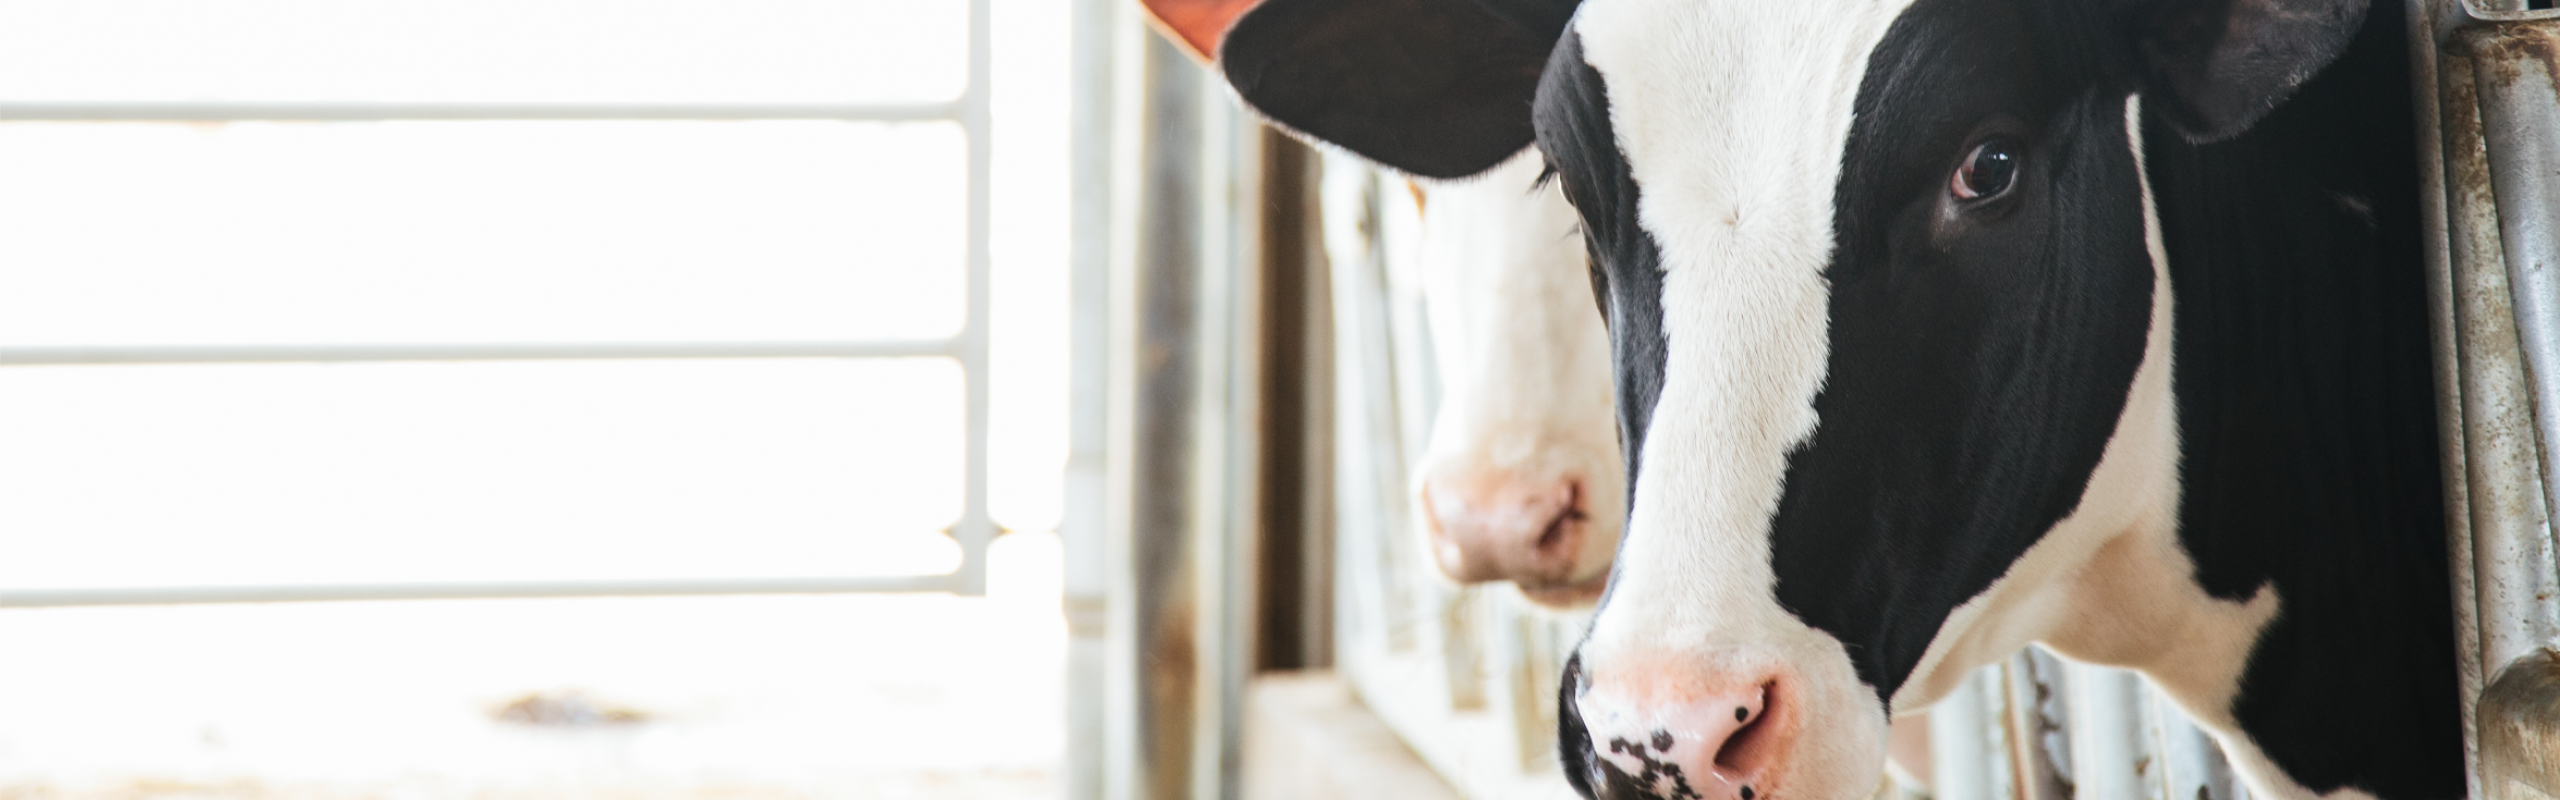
(975, 529)
(173, 595)
(261, 354)
(961, 110)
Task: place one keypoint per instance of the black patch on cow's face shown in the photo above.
(1981, 351)
(1626, 264)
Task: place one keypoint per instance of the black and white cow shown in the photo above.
(1944, 326)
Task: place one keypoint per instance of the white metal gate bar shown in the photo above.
(174, 595)
(249, 354)
(974, 531)
(957, 111)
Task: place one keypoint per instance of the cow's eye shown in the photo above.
(1988, 171)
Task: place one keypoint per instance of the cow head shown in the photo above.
(1521, 481)
(1888, 316)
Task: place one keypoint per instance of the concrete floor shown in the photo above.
(888, 697)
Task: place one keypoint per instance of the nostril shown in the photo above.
(1750, 748)
(1558, 539)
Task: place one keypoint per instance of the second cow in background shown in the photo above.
(1522, 480)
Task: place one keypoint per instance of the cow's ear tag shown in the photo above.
(1199, 25)
(2217, 66)
(1437, 88)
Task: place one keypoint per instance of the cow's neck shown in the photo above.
(2307, 425)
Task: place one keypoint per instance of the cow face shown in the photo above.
(1883, 271)
(1521, 481)
(1888, 321)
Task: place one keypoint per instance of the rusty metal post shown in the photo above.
(2487, 71)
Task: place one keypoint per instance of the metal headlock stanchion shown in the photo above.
(2491, 160)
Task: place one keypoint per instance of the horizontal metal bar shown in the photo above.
(236, 354)
(177, 595)
(378, 112)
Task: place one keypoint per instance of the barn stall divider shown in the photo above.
(2489, 141)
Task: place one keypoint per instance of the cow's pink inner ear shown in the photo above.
(1198, 24)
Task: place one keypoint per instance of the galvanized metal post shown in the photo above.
(2491, 124)
(1153, 620)
(2111, 753)
(1082, 526)
(1968, 753)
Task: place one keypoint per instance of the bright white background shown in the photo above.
(544, 232)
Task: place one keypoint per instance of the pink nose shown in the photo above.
(1500, 527)
(1655, 739)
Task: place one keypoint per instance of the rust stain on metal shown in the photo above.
(2504, 48)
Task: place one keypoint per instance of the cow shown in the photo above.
(1521, 480)
(1939, 327)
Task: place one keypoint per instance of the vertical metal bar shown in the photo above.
(2509, 511)
(1155, 615)
(2191, 764)
(1081, 528)
(2111, 758)
(2426, 19)
(2512, 62)
(2039, 725)
(1967, 758)
(1226, 508)
(976, 529)
(2512, 67)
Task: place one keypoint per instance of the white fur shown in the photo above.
(1526, 390)
(1732, 116)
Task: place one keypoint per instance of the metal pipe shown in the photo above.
(1082, 525)
(173, 595)
(338, 353)
(1154, 619)
(2512, 569)
(2425, 20)
(976, 529)
(2513, 68)
(1967, 760)
(956, 110)
(2111, 758)
(2039, 725)
(2191, 764)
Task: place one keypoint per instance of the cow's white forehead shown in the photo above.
(1732, 115)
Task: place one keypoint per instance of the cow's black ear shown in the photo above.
(1438, 88)
(2216, 66)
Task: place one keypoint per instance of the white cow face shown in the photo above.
(1522, 481)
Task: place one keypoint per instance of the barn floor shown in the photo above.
(854, 697)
